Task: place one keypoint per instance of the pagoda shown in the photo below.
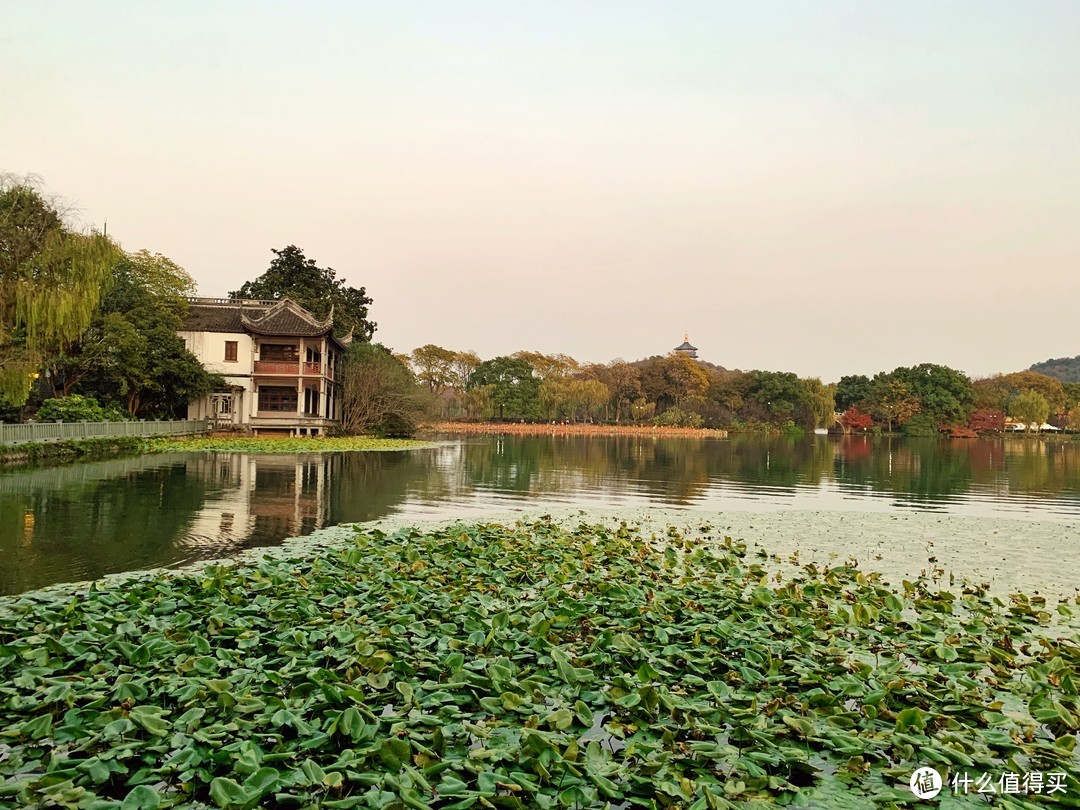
(686, 348)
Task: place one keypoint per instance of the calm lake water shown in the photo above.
(81, 521)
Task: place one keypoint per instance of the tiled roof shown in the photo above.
(286, 317)
(213, 318)
(686, 347)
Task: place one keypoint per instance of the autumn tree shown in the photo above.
(996, 392)
(548, 366)
(891, 400)
(462, 367)
(986, 420)
(51, 279)
(623, 381)
(434, 366)
(854, 419)
(318, 289)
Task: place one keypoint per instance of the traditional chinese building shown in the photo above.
(281, 365)
(686, 348)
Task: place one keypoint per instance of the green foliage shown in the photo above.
(853, 391)
(921, 424)
(515, 390)
(131, 352)
(675, 417)
(942, 392)
(72, 450)
(891, 400)
(77, 408)
(529, 666)
(1029, 408)
(271, 445)
(318, 289)
(51, 278)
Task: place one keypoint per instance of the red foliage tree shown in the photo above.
(986, 419)
(854, 419)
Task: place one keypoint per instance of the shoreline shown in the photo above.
(577, 429)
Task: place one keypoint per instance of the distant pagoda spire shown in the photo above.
(686, 348)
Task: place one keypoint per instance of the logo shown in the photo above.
(926, 783)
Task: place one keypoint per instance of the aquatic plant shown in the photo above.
(527, 666)
(295, 444)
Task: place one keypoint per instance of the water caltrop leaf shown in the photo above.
(142, 797)
(542, 664)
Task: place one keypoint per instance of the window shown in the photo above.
(230, 351)
(279, 352)
(277, 398)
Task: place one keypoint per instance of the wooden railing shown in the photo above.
(283, 367)
(64, 431)
(276, 367)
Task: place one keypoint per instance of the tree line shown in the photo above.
(88, 330)
(681, 391)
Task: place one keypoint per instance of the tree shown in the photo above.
(986, 420)
(1029, 408)
(891, 400)
(462, 367)
(624, 382)
(943, 393)
(1066, 369)
(554, 366)
(997, 391)
(854, 419)
(131, 352)
(781, 392)
(51, 279)
(515, 389)
(821, 403)
(852, 390)
(379, 393)
(434, 366)
(318, 289)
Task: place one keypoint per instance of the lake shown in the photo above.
(78, 522)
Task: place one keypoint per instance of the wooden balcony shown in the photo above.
(287, 368)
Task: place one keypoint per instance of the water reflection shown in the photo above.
(81, 521)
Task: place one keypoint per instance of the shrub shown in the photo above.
(674, 417)
(922, 425)
(72, 408)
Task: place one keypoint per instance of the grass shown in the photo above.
(526, 666)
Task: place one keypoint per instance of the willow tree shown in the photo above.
(51, 279)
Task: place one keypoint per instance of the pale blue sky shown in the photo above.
(821, 187)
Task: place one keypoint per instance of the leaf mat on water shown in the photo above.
(523, 666)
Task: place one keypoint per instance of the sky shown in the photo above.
(822, 187)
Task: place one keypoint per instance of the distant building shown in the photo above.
(686, 348)
(281, 365)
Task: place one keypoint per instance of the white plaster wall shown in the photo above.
(209, 347)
